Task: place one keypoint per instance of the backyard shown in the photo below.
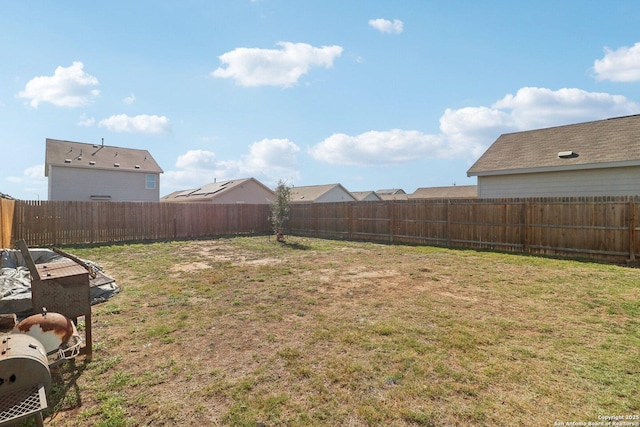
(248, 331)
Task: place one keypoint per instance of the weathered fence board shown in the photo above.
(43, 223)
(599, 228)
(6, 221)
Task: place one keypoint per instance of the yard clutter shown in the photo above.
(32, 280)
(56, 332)
(29, 352)
(15, 280)
(25, 378)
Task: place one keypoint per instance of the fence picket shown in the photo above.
(600, 228)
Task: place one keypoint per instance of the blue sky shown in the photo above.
(370, 94)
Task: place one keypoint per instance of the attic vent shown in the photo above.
(116, 165)
(67, 160)
(137, 166)
(567, 154)
(92, 163)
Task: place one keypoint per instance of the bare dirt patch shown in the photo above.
(248, 331)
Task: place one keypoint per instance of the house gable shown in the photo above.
(70, 154)
(607, 143)
(80, 171)
(246, 190)
(321, 194)
(599, 158)
(366, 196)
(450, 192)
(392, 194)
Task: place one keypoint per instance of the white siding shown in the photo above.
(82, 184)
(371, 198)
(593, 182)
(336, 194)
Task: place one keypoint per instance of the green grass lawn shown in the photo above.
(250, 332)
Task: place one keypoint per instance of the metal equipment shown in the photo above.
(57, 334)
(24, 378)
(62, 287)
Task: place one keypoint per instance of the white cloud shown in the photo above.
(35, 172)
(387, 26)
(374, 147)
(32, 182)
(268, 160)
(142, 123)
(68, 87)
(86, 121)
(197, 159)
(467, 132)
(622, 65)
(273, 158)
(129, 99)
(270, 67)
(532, 107)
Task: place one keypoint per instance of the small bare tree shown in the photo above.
(280, 209)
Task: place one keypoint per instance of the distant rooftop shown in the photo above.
(450, 192)
(97, 156)
(601, 143)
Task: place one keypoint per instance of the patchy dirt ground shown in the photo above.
(248, 331)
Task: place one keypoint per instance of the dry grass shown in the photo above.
(249, 332)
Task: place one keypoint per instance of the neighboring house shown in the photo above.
(246, 190)
(599, 158)
(6, 196)
(392, 194)
(366, 196)
(79, 171)
(451, 192)
(321, 194)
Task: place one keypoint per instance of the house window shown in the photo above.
(150, 182)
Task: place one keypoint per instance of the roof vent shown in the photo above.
(67, 160)
(567, 154)
(137, 166)
(116, 165)
(92, 163)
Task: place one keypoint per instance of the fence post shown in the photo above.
(632, 230)
(175, 227)
(392, 221)
(448, 223)
(526, 233)
(350, 214)
(7, 209)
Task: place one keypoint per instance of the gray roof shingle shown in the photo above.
(311, 193)
(211, 191)
(450, 192)
(98, 156)
(602, 143)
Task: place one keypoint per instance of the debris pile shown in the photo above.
(15, 280)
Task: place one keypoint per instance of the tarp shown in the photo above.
(15, 280)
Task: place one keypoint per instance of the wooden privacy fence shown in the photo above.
(598, 228)
(6, 221)
(47, 223)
